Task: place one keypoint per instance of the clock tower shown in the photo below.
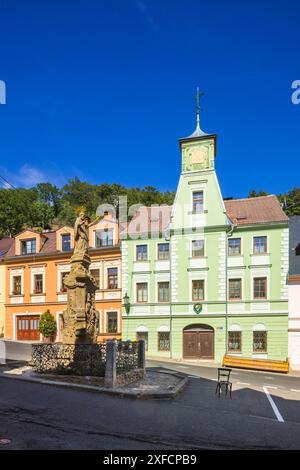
(198, 151)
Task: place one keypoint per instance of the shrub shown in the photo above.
(47, 325)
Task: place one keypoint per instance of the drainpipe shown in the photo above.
(168, 235)
(228, 234)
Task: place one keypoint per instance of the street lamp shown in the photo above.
(126, 303)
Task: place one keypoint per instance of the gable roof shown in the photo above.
(256, 210)
(153, 219)
(5, 245)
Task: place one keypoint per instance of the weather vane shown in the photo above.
(198, 96)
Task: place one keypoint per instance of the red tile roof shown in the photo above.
(5, 245)
(256, 210)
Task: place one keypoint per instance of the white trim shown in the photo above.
(163, 329)
(259, 327)
(142, 329)
(235, 327)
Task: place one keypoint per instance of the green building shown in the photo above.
(207, 277)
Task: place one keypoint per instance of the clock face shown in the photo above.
(197, 155)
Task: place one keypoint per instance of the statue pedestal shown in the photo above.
(80, 318)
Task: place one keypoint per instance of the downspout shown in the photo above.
(228, 234)
(168, 238)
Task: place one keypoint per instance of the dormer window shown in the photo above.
(28, 247)
(104, 238)
(66, 242)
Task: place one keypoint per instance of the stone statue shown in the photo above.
(80, 318)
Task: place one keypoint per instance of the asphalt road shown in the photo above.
(38, 416)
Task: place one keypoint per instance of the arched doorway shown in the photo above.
(198, 342)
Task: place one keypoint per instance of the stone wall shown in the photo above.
(118, 362)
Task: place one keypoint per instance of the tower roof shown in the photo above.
(198, 132)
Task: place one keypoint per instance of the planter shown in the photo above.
(48, 339)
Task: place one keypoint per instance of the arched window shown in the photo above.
(297, 250)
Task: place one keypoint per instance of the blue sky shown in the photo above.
(104, 90)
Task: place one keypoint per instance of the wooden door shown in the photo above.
(198, 344)
(190, 345)
(206, 342)
(28, 328)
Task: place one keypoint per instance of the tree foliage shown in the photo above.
(47, 326)
(46, 206)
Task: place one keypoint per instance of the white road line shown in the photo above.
(183, 367)
(268, 377)
(295, 390)
(271, 386)
(242, 383)
(274, 407)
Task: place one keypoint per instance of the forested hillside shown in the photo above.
(45, 206)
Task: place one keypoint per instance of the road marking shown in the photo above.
(183, 367)
(243, 383)
(268, 377)
(274, 407)
(295, 390)
(270, 386)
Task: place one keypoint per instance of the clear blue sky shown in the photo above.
(104, 90)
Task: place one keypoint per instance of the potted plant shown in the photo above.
(47, 327)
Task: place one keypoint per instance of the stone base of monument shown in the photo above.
(118, 363)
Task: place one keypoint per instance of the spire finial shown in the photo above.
(198, 109)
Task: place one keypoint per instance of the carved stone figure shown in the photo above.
(81, 317)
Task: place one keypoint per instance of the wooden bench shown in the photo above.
(257, 364)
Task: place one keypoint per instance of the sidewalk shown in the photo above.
(214, 365)
(155, 385)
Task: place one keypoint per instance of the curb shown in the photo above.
(113, 392)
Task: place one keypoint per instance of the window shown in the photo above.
(112, 322)
(28, 246)
(260, 341)
(297, 250)
(234, 246)
(143, 335)
(142, 292)
(112, 278)
(96, 275)
(163, 251)
(37, 283)
(103, 238)
(198, 290)
(62, 285)
(235, 289)
(66, 242)
(141, 252)
(163, 291)
(17, 285)
(234, 341)
(197, 248)
(259, 245)
(164, 341)
(198, 201)
(260, 288)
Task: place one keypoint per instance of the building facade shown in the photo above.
(207, 277)
(294, 293)
(5, 244)
(36, 265)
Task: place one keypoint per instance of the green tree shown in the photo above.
(47, 326)
(254, 193)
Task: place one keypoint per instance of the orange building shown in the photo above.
(36, 264)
